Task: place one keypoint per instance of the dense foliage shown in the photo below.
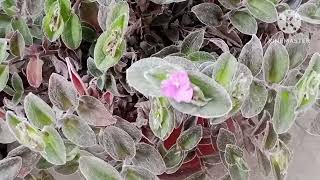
(160, 89)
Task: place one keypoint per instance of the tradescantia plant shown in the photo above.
(139, 90)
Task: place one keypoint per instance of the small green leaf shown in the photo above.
(38, 112)
(54, 151)
(166, 51)
(309, 12)
(88, 33)
(65, 9)
(190, 138)
(149, 158)
(3, 49)
(43, 164)
(192, 42)
(284, 110)
(252, 55)
(263, 10)
(72, 34)
(53, 23)
(209, 14)
(161, 118)
(230, 4)
(10, 167)
(179, 62)
(240, 87)
(280, 161)
(108, 50)
(17, 44)
(201, 56)
(130, 128)
(94, 112)
(117, 143)
(137, 173)
(25, 133)
(9, 7)
(234, 156)
(78, 131)
(61, 92)
(72, 150)
(92, 68)
(110, 45)
(20, 25)
(224, 138)
(225, 69)
(94, 168)
(174, 157)
(297, 51)
(308, 85)
(69, 168)
(17, 84)
(275, 63)
(4, 76)
(270, 139)
(255, 101)
(244, 22)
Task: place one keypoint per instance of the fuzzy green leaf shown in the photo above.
(308, 85)
(94, 112)
(4, 76)
(192, 42)
(190, 138)
(270, 139)
(244, 22)
(284, 110)
(94, 168)
(17, 44)
(20, 25)
(224, 138)
(161, 118)
(149, 158)
(3, 49)
(61, 93)
(38, 112)
(174, 157)
(263, 10)
(53, 23)
(255, 101)
(25, 133)
(72, 34)
(78, 131)
(137, 173)
(117, 143)
(225, 69)
(209, 14)
(252, 55)
(55, 150)
(230, 4)
(275, 63)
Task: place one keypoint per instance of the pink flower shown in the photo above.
(178, 87)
